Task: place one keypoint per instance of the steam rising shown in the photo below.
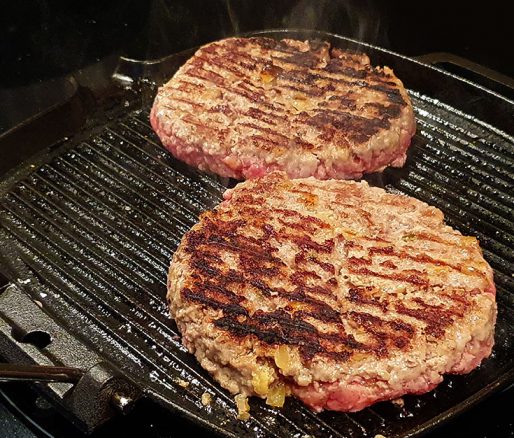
(357, 19)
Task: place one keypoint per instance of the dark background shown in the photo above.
(40, 39)
(44, 42)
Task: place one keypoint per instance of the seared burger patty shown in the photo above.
(243, 107)
(333, 291)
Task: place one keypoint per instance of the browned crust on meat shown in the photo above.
(287, 98)
(283, 262)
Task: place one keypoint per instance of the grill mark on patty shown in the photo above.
(279, 327)
(363, 214)
(238, 271)
(258, 114)
(184, 85)
(235, 67)
(436, 318)
(355, 127)
(219, 109)
(307, 220)
(265, 130)
(412, 278)
(391, 110)
(241, 244)
(254, 269)
(388, 264)
(188, 119)
(309, 78)
(301, 59)
(305, 242)
(265, 142)
(240, 91)
(359, 295)
(383, 332)
(358, 128)
(356, 261)
(298, 278)
(185, 100)
(223, 66)
(421, 258)
(258, 97)
(301, 258)
(311, 91)
(431, 237)
(319, 310)
(202, 298)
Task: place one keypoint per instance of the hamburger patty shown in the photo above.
(243, 107)
(333, 291)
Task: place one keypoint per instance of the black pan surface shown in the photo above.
(95, 219)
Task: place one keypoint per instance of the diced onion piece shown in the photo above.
(266, 77)
(206, 399)
(283, 358)
(261, 379)
(469, 268)
(409, 237)
(183, 383)
(243, 408)
(300, 103)
(277, 395)
(211, 93)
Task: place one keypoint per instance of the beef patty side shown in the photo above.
(334, 291)
(244, 107)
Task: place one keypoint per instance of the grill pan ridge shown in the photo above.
(96, 225)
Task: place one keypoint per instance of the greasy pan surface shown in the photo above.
(97, 219)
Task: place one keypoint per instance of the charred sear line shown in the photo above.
(302, 258)
(223, 235)
(302, 304)
(356, 261)
(310, 223)
(189, 102)
(384, 333)
(264, 142)
(363, 295)
(420, 258)
(306, 243)
(279, 327)
(222, 286)
(235, 61)
(301, 277)
(265, 131)
(202, 298)
(224, 66)
(254, 291)
(356, 127)
(259, 265)
(219, 81)
(407, 277)
(436, 318)
(309, 60)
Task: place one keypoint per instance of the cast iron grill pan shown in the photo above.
(97, 223)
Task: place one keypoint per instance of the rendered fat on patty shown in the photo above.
(336, 292)
(244, 107)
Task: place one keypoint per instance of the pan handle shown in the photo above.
(449, 58)
(38, 373)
